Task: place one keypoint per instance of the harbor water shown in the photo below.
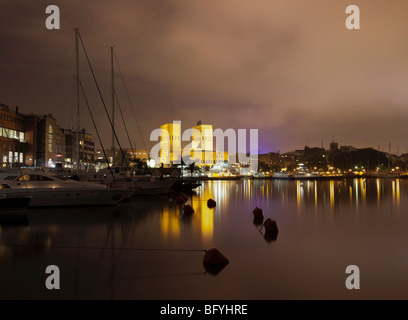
(147, 249)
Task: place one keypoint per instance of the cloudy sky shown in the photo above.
(288, 68)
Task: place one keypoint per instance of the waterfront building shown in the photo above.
(170, 145)
(271, 161)
(86, 149)
(129, 153)
(202, 152)
(37, 141)
(45, 141)
(334, 146)
(12, 137)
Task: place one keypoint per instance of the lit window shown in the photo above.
(50, 139)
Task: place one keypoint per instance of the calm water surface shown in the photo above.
(324, 226)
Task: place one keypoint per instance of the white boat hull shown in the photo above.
(71, 197)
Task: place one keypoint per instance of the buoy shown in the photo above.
(214, 261)
(211, 203)
(258, 213)
(257, 221)
(188, 210)
(270, 236)
(182, 198)
(270, 226)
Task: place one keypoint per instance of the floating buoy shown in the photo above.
(182, 198)
(271, 230)
(257, 221)
(270, 236)
(258, 216)
(270, 226)
(188, 210)
(214, 261)
(211, 203)
(257, 212)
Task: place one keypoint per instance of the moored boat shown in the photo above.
(282, 175)
(45, 189)
(121, 177)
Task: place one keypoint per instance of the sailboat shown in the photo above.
(122, 176)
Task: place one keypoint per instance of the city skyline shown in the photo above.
(291, 70)
(11, 113)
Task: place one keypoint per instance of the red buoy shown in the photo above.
(257, 221)
(182, 198)
(258, 214)
(214, 261)
(214, 257)
(211, 203)
(270, 226)
(188, 210)
(270, 236)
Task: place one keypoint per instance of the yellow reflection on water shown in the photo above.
(397, 182)
(249, 189)
(393, 192)
(378, 191)
(299, 194)
(202, 220)
(207, 214)
(332, 196)
(169, 221)
(315, 194)
(363, 189)
(356, 186)
(207, 221)
(396, 193)
(267, 191)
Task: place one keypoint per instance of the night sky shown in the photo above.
(289, 68)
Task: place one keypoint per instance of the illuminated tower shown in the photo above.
(170, 144)
(206, 132)
(203, 152)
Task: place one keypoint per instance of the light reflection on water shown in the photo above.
(323, 227)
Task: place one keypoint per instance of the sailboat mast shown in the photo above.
(113, 108)
(77, 99)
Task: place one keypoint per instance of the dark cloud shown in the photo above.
(289, 68)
